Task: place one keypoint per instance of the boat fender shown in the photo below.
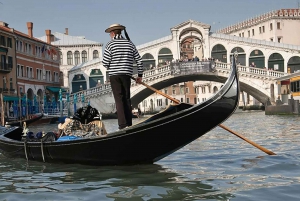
(30, 135)
(39, 135)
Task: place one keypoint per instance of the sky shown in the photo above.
(145, 20)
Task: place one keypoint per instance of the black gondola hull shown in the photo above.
(145, 142)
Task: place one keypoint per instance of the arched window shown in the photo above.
(60, 58)
(70, 58)
(77, 57)
(95, 54)
(84, 56)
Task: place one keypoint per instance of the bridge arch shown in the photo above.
(148, 60)
(141, 93)
(258, 58)
(164, 54)
(276, 62)
(215, 90)
(78, 83)
(241, 55)
(219, 52)
(293, 64)
(188, 31)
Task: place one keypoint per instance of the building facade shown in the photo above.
(37, 66)
(192, 38)
(74, 51)
(8, 79)
(87, 75)
(280, 26)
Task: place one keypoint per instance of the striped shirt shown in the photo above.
(119, 55)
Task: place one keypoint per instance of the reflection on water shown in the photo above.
(217, 166)
(146, 181)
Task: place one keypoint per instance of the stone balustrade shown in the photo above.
(158, 73)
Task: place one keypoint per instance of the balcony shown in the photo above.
(12, 91)
(5, 90)
(5, 68)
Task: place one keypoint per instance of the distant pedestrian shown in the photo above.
(11, 111)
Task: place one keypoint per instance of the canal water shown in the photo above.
(217, 166)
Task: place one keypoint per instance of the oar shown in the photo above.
(222, 126)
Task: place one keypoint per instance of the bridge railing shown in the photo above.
(252, 70)
(149, 74)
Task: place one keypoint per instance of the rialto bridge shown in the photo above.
(190, 39)
(187, 40)
(257, 82)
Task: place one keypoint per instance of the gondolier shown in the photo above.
(118, 58)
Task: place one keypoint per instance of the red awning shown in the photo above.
(285, 82)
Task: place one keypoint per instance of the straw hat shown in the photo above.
(114, 27)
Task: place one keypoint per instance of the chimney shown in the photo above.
(67, 31)
(48, 34)
(3, 24)
(29, 27)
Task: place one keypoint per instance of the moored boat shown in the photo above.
(29, 120)
(143, 143)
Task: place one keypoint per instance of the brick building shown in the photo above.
(34, 64)
(37, 65)
(8, 80)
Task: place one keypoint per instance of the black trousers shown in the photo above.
(120, 85)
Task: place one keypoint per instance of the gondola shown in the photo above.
(143, 143)
(33, 118)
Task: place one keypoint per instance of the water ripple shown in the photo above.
(217, 166)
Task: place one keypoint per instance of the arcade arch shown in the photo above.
(241, 59)
(165, 54)
(148, 61)
(78, 83)
(293, 64)
(215, 89)
(30, 94)
(40, 96)
(257, 57)
(96, 77)
(188, 38)
(276, 62)
(219, 52)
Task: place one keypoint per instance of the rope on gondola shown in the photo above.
(42, 149)
(25, 148)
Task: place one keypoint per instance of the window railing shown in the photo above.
(5, 66)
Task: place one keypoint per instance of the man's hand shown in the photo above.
(138, 80)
